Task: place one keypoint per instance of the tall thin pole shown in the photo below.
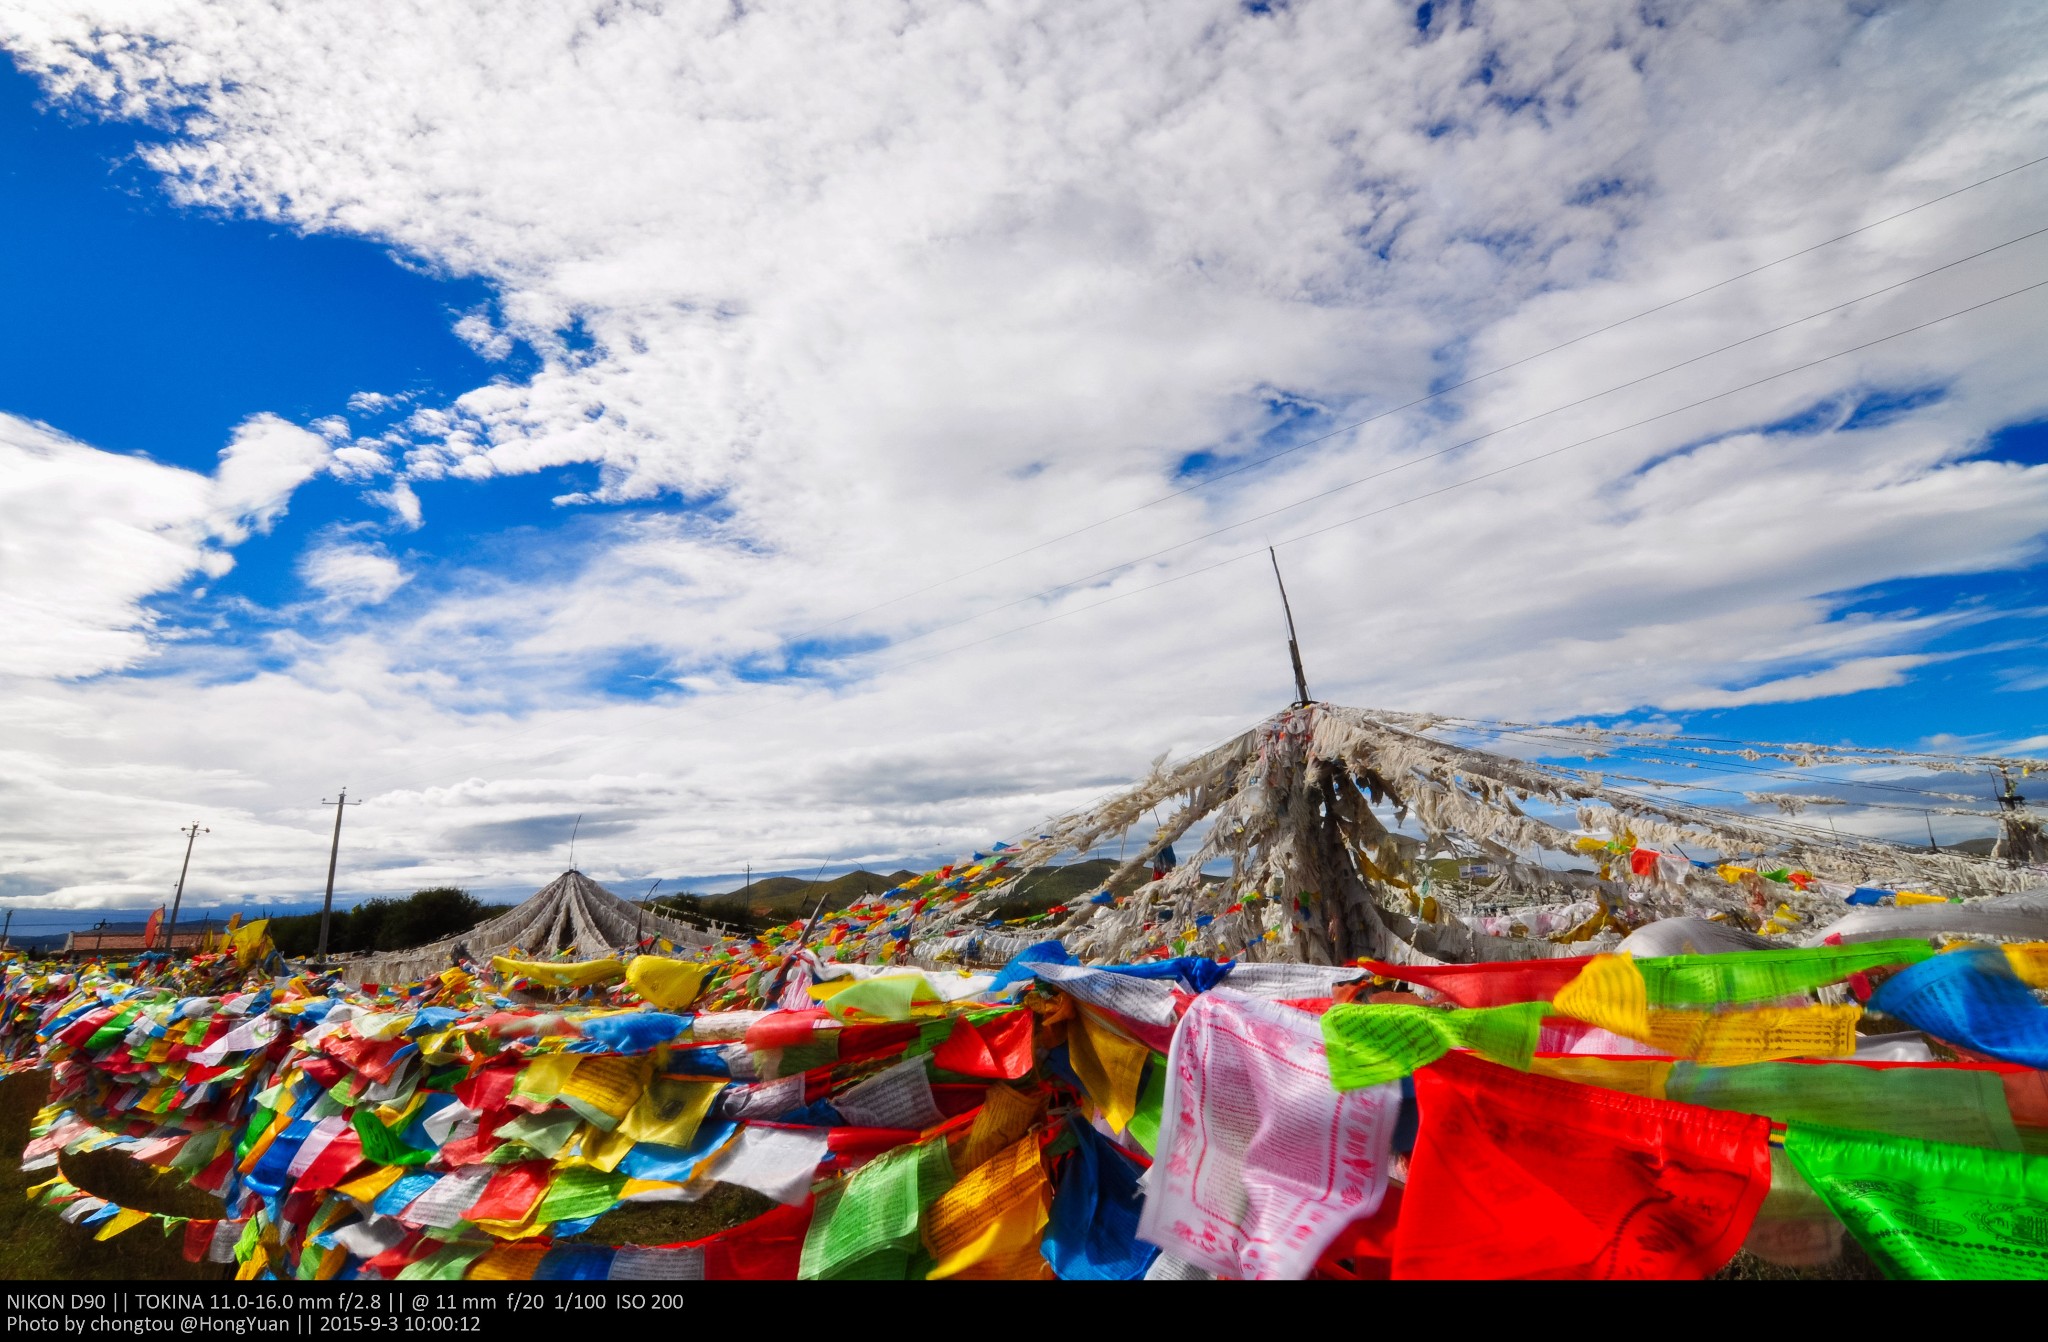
(640, 923)
(333, 856)
(1293, 648)
(191, 834)
(6, 940)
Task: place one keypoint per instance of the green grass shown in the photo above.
(36, 1246)
(725, 1206)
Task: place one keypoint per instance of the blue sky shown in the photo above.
(719, 412)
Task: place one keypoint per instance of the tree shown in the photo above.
(385, 924)
(429, 915)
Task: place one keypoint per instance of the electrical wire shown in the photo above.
(1057, 589)
(1461, 484)
(1437, 394)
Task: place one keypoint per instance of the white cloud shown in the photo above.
(352, 573)
(907, 288)
(479, 334)
(403, 503)
(265, 460)
(86, 537)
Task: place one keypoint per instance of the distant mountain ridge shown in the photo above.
(775, 900)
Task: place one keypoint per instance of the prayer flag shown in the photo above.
(1517, 1176)
(1931, 1211)
(1260, 1161)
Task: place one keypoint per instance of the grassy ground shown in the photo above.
(36, 1246)
(724, 1207)
(1853, 1265)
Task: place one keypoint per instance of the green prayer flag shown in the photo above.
(1697, 981)
(1371, 1044)
(545, 1133)
(1958, 1105)
(1930, 1211)
(874, 1214)
(259, 1123)
(1144, 1124)
(577, 1192)
(381, 1146)
(890, 997)
(446, 1263)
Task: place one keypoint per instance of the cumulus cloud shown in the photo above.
(866, 300)
(352, 573)
(265, 460)
(86, 537)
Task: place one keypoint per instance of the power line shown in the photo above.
(1460, 484)
(1049, 592)
(1438, 394)
(1458, 446)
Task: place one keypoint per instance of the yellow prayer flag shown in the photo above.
(669, 1111)
(992, 1211)
(1907, 898)
(1610, 993)
(668, 984)
(576, 974)
(598, 1149)
(508, 1262)
(366, 1189)
(610, 1085)
(1729, 1038)
(1005, 1116)
(545, 1075)
(120, 1221)
(1024, 1263)
(2029, 960)
(251, 943)
(1109, 1065)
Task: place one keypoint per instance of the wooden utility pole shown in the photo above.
(191, 834)
(6, 940)
(333, 856)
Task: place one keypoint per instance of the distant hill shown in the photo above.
(776, 900)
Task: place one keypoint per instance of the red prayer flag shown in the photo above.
(768, 1248)
(1519, 1176)
(1496, 983)
(996, 1049)
(152, 927)
(488, 1088)
(511, 1192)
(333, 1164)
(784, 1029)
(198, 1239)
(1364, 1250)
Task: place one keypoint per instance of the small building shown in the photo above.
(90, 942)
